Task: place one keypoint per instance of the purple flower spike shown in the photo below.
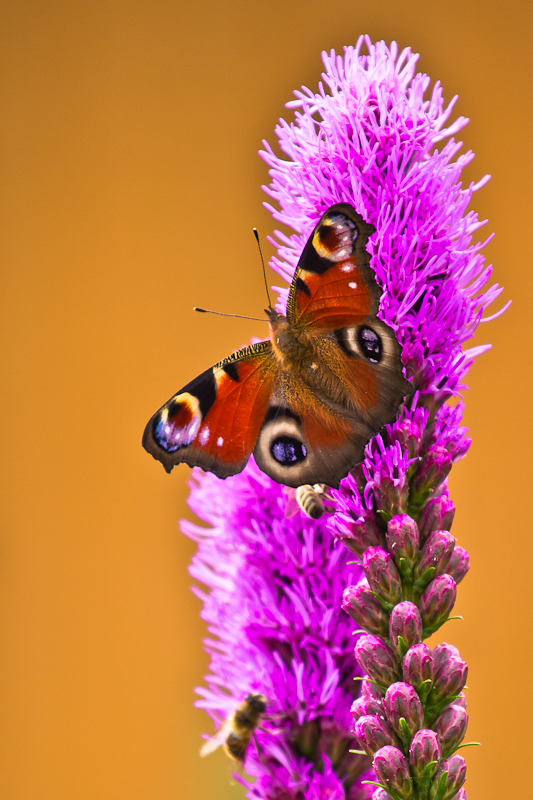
(356, 534)
(449, 681)
(449, 778)
(451, 726)
(382, 575)
(366, 706)
(372, 733)
(425, 754)
(417, 669)
(378, 660)
(434, 557)
(437, 602)
(365, 609)
(376, 136)
(405, 626)
(392, 769)
(459, 564)
(403, 710)
(403, 539)
(437, 515)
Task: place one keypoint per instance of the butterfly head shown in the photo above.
(273, 315)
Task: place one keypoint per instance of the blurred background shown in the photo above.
(130, 183)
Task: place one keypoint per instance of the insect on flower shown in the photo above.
(312, 500)
(236, 732)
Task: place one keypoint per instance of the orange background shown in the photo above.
(129, 187)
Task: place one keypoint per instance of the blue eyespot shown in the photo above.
(288, 451)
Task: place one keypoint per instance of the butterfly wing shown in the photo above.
(214, 421)
(334, 286)
(321, 417)
(335, 293)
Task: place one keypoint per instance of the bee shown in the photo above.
(310, 500)
(237, 731)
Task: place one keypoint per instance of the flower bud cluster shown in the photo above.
(411, 716)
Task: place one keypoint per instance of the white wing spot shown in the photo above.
(352, 285)
(347, 268)
(204, 435)
(220, 441)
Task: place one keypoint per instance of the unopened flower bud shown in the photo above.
(392, 770)
(433, 469)
(365, 706)
(451, 726)
(437, 515)
(403, 539)
(405, 626)
(443, 652)
(382, 575)
(410, 437)
(449, 680)
(370, 690)
(449, 778)
(365, 609)
(401, 702)
(459, 564)
(391, 494)
(381, 794)
(378, 660)
(357, 534)
(372, 733)
(436, 603)
(417, 667)
(424, 754)
(435, 555)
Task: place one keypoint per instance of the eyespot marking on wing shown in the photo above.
(178, 424)
(334, 238)
(362, 341)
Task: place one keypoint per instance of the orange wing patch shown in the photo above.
(338, 298)
(238, 412)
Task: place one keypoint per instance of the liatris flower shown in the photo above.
(367, 137)
(277, 627)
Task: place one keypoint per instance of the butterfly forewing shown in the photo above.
(334, 286)
(214, 421)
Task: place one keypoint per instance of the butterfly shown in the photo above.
(307, 401)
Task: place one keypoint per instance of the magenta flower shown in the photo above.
(276, 627)
(276, 586)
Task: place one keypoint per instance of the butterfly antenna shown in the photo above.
(263, 263)
(222, 314)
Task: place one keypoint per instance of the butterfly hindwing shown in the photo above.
(214, 421)
(295, 447)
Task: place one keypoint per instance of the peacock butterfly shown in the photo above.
(307, 401)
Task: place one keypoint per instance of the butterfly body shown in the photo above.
(307, 400)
